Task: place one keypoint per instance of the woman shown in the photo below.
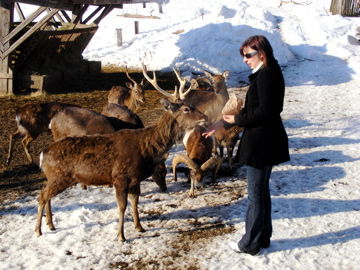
(264, 142)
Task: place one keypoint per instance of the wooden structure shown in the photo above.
(32, 45)
(345, 7)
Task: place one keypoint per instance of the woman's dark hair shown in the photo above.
(260, 44)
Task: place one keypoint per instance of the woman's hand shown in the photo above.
(230, 118)
(211, 130)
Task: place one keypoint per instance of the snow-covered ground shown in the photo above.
(316, 195)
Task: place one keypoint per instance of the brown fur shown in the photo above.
(198, 157)
(123, 113)
(210, 103)
(32, 120)
(123, 159)
(227, 138)
(131, 96)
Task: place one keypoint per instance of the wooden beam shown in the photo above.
(68, 4)
(57, 15)
(19, 11)
(6, 19)
(93, 14)
(105, 12)
(59, 4)
(63, 12)
(25, 23)
(30, 32)
(79, 12)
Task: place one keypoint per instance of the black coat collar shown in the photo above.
(272, 62)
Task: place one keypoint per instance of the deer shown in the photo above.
(131, 96)
(198, 157)
(123, 113)
(32, 119)
(208, 102)
(202, 83)
(227, 138)
(123, 159)
(77, 121)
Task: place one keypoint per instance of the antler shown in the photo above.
(153, 82)
(127, 75)
(210, 163)
(181, 158)
(182, 85)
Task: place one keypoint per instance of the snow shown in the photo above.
(315, 196)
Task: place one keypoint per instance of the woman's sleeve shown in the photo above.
(268, 98)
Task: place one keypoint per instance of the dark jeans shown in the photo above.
(258, 226)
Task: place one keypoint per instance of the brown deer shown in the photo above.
(123, 113)
(227, 138)
(33, 119)
(208, 102)
(198, 157)
(123, 159)
(77, 121)
(132, 96)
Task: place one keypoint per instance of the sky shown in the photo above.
(315, 196)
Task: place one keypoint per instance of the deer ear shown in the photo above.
(169, 106)
(194, 84)
(208, 74)
(226, 74)
(129, 85)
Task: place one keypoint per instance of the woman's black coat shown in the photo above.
(264, 141)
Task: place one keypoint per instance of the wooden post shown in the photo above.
(6, 76)
(136, 27)
(119, 37)
(160, 8)
(345, 7)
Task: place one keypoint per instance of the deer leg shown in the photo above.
(221, 150)
(121, 198)
(134, 193)
(44, 201)
(174, 172)
(230, 151)
(52, 188)
(11, 145)
(39, 218)
(49, 220)
(192, 188)
(237, 155)
(25, 142)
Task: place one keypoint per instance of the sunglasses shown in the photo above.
(249, 55)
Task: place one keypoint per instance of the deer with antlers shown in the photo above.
(132, 96)
(209, 103)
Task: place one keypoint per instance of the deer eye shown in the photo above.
(186, 110)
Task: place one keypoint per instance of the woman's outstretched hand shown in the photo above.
(211, 129)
